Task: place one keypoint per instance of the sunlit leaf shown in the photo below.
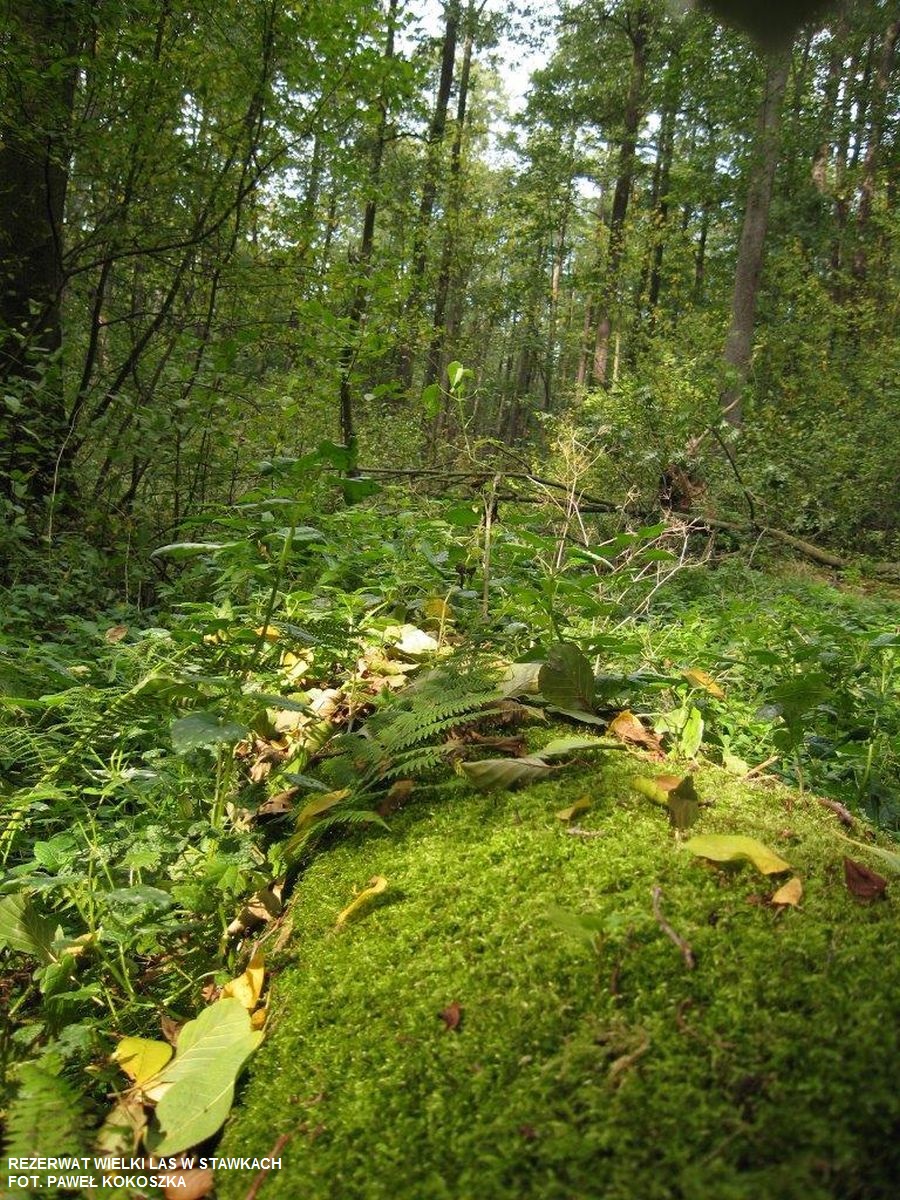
(582, 804)
(626, 726)
(570, 745)
(320, 805)
(376, 885)
(141, 1058)
(199, 1082)
(734, 847)
(701, 679)
(248, 986)
(23, 928)
(790, 893)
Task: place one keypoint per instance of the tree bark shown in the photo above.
(751, 248)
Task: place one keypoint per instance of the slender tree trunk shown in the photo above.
(442, 290)
(638, 29)
(751, 248)
(360, 299)
(43, 40)
(436, 131)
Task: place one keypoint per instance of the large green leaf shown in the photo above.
(178, 550)
(199, 729)
(23, 928)
(730, 847)
(566, 679)
(197, 1088)
(571, 745)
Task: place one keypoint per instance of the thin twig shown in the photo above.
(686, 952)
(260, 1177)
(757, 770)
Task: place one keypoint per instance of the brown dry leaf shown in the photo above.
(452, 1015)
(627, 728)
(701, 679)
(115, 634)
(262, 907)
(268, 756)
(189, 1185)
(258, 1018)
(790, 893)
(397, 795)
(862, 883)
(281, 802)
(170, 1028)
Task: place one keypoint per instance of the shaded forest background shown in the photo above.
(230, 231)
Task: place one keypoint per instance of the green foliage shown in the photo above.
(47, 1117)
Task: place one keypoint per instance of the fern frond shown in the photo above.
(46, 1117)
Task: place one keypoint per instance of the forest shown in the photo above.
(449, 599)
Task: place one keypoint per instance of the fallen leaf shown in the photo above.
(121, 1132)
(862, 883)
(374, 887)
(489, 773)
(281, 802)
(452, 1015)
(170, 1028)
(701, 679)
(684, 804)
(889, 857)
(141, 1058)
(397, 795)
(790, 893)
(115, 634)
(566, 679)
(734, 765)
(582, 804)
(189, 1185)
(559, 747)
(248, 987)
(627, 728)
(730, 847)
(411, 641)
(197, 1087)
(268, 633)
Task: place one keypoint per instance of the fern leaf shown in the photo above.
(46, 1117)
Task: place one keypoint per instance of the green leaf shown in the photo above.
(587, 928)
(801, 694)
(197, 1088)
(202, 729)
(731, 847)
(566, 678)
(491, 773)
(431, 399)
(455, 373)
(582, 804)
(23, 928)
(321, 804)
(463, 516)
(684, 804)
(569, 745)
(691, 737)
(179, 550)
(356, 489)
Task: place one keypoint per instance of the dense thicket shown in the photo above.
(230, 230)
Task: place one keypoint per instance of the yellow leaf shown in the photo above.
(141, 1058)
(269, 632)
(375, 885)
(258, 1018)
(789, 893)
(115, 634)
(248, 987)
(437, 609)
(727, 847)
(701, 679)
(582, 804)
(320, 805)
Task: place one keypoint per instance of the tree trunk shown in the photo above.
(34, 152)
(360, 300)
(637, 30)
(873, 148)
(751, 248)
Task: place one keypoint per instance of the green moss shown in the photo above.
(768, 1071)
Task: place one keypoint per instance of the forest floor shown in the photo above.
(464, 868)
(454, 1040)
